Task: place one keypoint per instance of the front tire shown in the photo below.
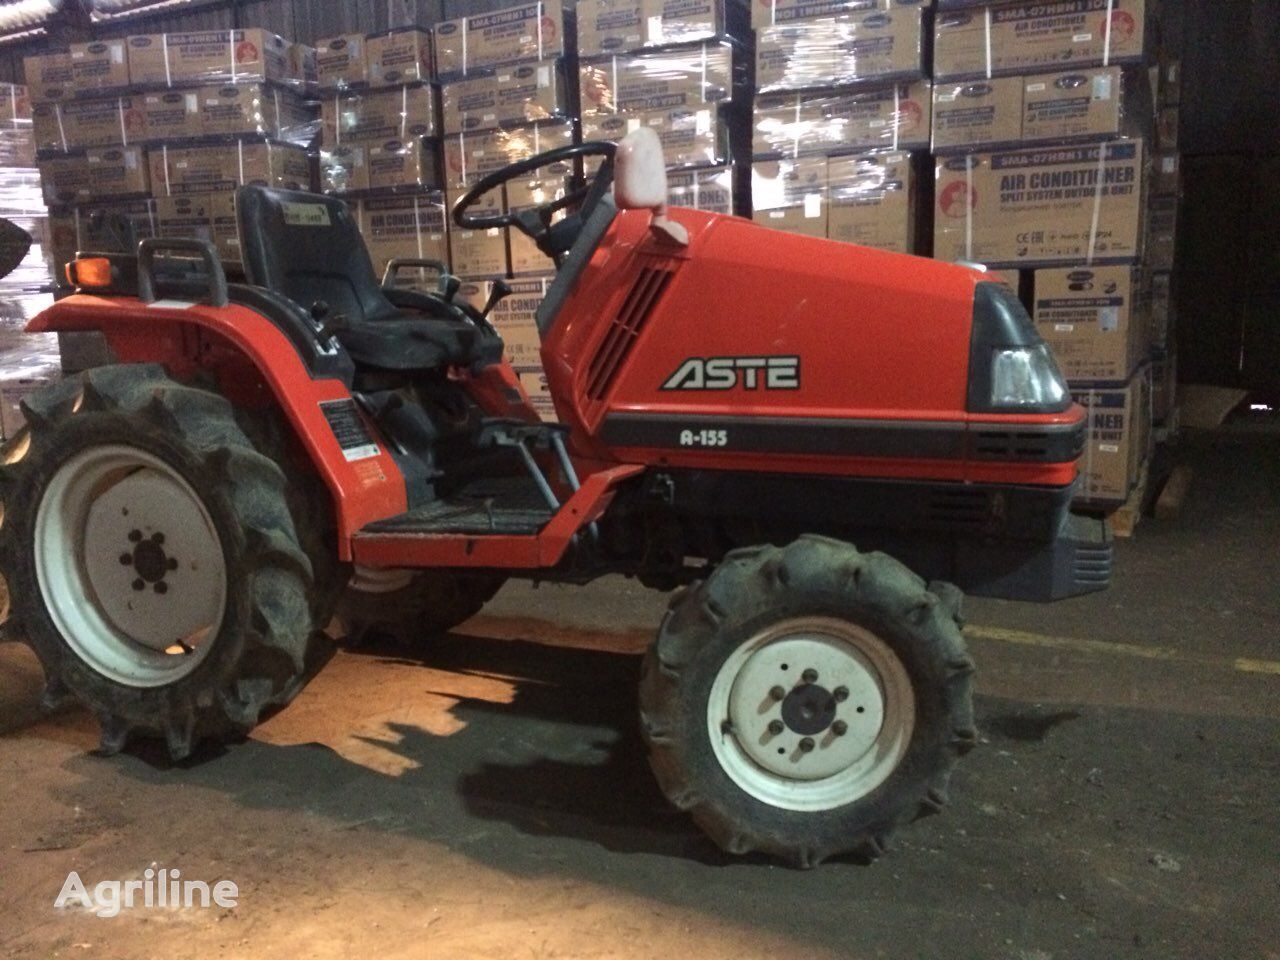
(153, 560)
(806, 701)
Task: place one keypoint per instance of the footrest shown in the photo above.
(509, 506)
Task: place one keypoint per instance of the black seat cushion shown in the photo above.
(309, 248)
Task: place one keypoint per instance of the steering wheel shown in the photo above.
(535, 222)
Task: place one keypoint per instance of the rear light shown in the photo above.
(90, 272)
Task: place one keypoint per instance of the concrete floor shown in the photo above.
(487, 796)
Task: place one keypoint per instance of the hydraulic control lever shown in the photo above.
(499, 292)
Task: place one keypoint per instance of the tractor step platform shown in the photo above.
(511, 506)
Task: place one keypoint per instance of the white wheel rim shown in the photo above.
(379, 579)
(813, 749)
(130, 566)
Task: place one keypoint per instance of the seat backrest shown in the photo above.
(308, 247)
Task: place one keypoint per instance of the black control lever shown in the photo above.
(330, 326)
(497, 293)
(448, 286)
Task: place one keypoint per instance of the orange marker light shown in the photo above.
(90, 272)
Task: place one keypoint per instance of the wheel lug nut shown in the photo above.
(777, 693)
(776, 727)
(841, 694)
(839, 728)
(809, 676)
(806, 744)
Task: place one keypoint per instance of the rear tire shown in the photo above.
(207, 547)
(768, 756)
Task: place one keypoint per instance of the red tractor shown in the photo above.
(737, 408)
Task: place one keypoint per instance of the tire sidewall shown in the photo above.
(50, 450)
(882, 808)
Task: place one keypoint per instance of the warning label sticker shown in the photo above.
(350, 431)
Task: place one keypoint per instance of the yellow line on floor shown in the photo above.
(1109, 648)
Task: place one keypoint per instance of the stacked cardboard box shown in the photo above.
(1043, 137)
(843, 99)
(149, 135)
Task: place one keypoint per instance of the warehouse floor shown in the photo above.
(486, 796)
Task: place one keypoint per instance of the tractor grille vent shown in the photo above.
(625, 328)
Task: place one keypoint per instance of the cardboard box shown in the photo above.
(766, 13)
(341, 62)
(478, 254)
(172, 114)
(74, 124)
(871, 201)
(226, 226)
(1032, 35)
(1041, 206)
(372, 115)
(791, 195)
(405, 226)
(304, 70)
(223, 167)
(894, 118)
(470, 156)
(211, 57)
(185, 216)
(685, 21)
(515, 320)
(710, 190)
(99, 66)
(15, 104)
(972, 113)
(256, 108)
(610, 26)
(399, 56)
(344, 168)
(47, 76)
(690, 78)
(402, 163)
(529, 32)
(1162, 233)
(511, 95)
(1091, 103)
(1094, 319)
(1116, 440)
(854, 47)
(98, 173)
(690, 138)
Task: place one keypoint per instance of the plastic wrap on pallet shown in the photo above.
(518, 94)
(690, 78)
(97, 173)
(841, 50)
(894, 117)
(520, 34)
(24, 290)
(380, 165)
(1090, 103)
(341, 62)
(767, 13)
(470, 156)
(397, 113)
(1041, 206)
(218, 57)
(1030, 36)
(232, 109)
(710, 190)
(690, 138)
(399, 56)
(17, 143)
(867, 199)
(209, 168)
(405, 226)
(617, 26)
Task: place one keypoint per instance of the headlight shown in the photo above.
(1010, 368)
(1026, 377)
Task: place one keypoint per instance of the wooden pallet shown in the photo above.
(1123, 519)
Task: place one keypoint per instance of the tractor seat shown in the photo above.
(309, 248)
